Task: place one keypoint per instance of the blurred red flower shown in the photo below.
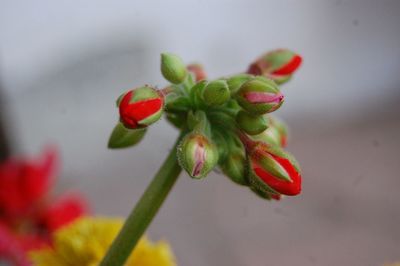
(28, 213)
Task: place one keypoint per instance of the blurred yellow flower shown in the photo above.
(85, 242)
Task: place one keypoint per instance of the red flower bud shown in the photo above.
(278, 65)
(272, 168)
(198, 71)
(140, 107)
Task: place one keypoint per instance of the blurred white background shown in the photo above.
(63, 63)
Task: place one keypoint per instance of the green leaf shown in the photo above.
(121, 137)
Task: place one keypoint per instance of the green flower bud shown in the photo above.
(121, 137)
(216, 93)
(251, 124)
(236, 81)
(197, 154)
(172, 68)
(259, 96)
(220, 141)
(235, 167)
(275, 134)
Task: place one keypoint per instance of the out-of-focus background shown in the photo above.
(63, 64)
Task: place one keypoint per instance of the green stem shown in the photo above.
(144, 211)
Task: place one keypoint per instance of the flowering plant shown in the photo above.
(223, 122)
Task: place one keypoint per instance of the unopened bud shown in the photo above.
(278, 65)
(251, 124)
(197, 155)
(172, 68)
(216, 93)
(198, 71)
(270, 168)
(140, 107)
(235, 167)
(259, 96)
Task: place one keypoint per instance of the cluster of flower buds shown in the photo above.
(226, 121)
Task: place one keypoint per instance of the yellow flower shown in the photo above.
(85, 242)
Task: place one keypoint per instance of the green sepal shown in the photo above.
(256, 183)
(279, 152)
(281, 79)
(262, 194)
(119, 99)
(144, 93)
(278, 58)
(121, 137)
(269, 164)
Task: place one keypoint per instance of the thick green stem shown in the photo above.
(144, 211)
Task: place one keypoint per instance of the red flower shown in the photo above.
(275, 169)
(24, 183)
(63, 211)
(11, 249)
(27, 216)
(140, 107)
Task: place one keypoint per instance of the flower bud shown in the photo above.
(236, 81)
(140, 107)
(278, 65)
(251, 124)
(272, 169)
(172, 68)
(197, 155)
(275, 134)
(198, 71)
(216, 93)
(259, 96)
(235, 167)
